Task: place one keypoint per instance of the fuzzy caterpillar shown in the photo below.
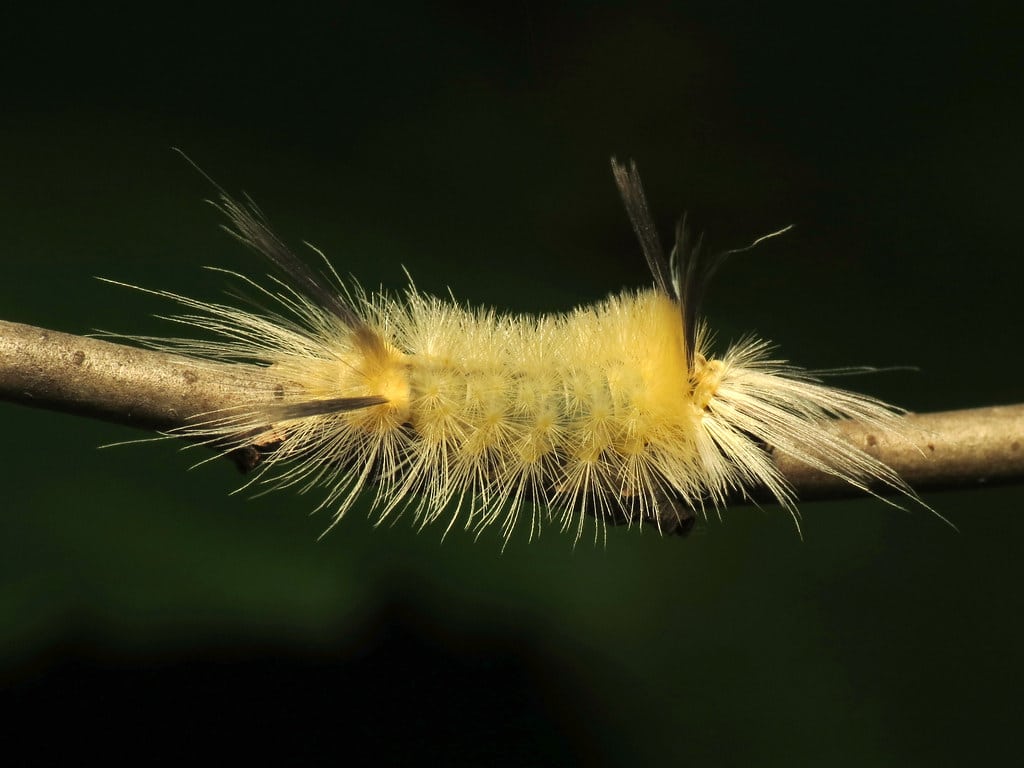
(616, 411)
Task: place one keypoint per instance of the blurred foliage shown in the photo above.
(471, 146)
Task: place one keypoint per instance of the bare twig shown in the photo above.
(115, 382)
(160, 391)
(939, 451)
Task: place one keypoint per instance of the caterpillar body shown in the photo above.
(616, 412)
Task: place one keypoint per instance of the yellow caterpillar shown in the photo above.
(616, 412)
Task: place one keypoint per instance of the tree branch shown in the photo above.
(115, 382)
(160, 391)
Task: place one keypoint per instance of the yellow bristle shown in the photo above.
(616, 412)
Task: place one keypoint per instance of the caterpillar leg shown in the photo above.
(674, 517)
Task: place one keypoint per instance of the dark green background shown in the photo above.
(141, 606)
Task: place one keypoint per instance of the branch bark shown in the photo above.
(159, 391)
(116, 382)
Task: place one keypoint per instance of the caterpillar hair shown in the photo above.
(617, 412)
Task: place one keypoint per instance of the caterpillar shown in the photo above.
(618, 412)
